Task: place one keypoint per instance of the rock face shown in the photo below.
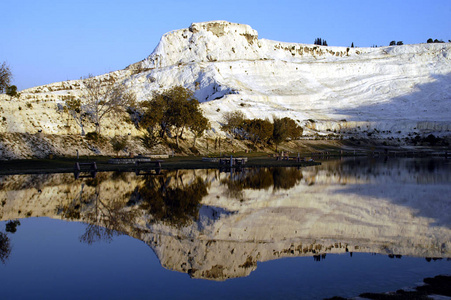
(221, 60)
(388, 91)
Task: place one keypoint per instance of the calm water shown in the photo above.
(339, 229)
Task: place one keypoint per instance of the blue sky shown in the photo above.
(48, 41)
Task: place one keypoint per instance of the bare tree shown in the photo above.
(75, 109)
(5, 77)
(232, 122)
(104, 97)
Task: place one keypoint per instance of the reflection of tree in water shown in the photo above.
(263, 178)
(234, 188)
(174, 205)
(5, 247)
(106, 218)
(113, 216)
(72, 210)
(11, 226)
(255, 179)
(286, 178)
(258, 179)
(319, 257)
(5, 242)
(96, 233)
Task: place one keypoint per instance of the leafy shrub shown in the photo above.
(119, 144)
(95, 137)
(194, 150)
(150, 138)
(12, 91)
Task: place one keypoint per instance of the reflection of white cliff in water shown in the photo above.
(218, 225)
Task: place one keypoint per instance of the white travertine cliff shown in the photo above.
(388, 91)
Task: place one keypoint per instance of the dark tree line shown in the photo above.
(320, 42)
(396, 43)
(435, 41)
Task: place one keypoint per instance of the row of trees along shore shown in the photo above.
(168, 113)
(260, 131)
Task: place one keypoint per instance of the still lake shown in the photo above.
(343, 228)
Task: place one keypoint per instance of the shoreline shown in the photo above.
(66, 165)
(256, 159)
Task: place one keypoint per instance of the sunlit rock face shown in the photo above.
(218, 225)
(358, 89)
(385, 92)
